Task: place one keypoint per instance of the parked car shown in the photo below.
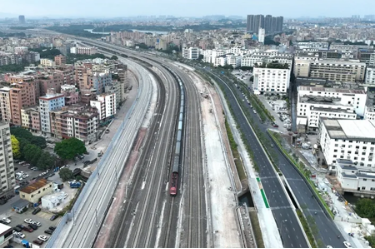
(43, 237)
(28, 229)
(36, 210)
(54, 217)
(33, 226)
(17, 229)
(275, 125)
(80, 157)
(34, 168)
(48, 232)
(38, 242)
(28, 221)
(19, 234)
(6, 220)
(37, 223)
(52, 228)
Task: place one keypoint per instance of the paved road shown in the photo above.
(90, 212)
(278, 201)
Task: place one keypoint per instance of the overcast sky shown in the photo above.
(123, 8)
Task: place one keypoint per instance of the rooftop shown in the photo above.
(361, 130)
(34, 186)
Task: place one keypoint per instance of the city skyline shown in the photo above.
(118, 8)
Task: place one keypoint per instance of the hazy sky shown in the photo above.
(121, 8)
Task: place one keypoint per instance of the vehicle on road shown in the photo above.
(275, 125)
(43, 237)
(347, 244)
(36, 210)
(255, 111)
(34, 168)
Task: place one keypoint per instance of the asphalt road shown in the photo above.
(285, 218)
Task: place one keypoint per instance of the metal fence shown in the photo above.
(91, 182)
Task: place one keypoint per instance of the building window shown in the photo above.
(363, 188)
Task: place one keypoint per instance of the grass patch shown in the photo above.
(235, 153)
(256, 229)
(301, 168)
(306, 227)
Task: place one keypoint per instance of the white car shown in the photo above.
(28, 221)
(6, 220)
(25, 175)
(21, 235)
(37, 223)
(43, 237)
(347, 244)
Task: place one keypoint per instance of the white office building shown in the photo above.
(337, 103)
(191, 53)
(271, 80)
(261, 35)
(348, 139)
(370, 76)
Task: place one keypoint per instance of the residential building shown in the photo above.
(348, 139)
(83, 50)
(105, 104)
(262, 58)
(50, 102)
(370, 76)
(21, 19)
(35, 191)
(54, 79)
(5, 106)
(100, 80)
(254, 22)
(314, 102)
(47, 62)
(71, 94)
(60, 60)
(31, 118)
(8, 181)
(271, 80)
(21, 95)
(261, 35)
(360, 182)
(191, 53)
(75, 121)
(367, 56)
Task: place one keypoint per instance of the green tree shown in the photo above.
(66, 174)
(46, 161)
(39, 141)
(15, 147)
(365, 208)
(69, 148)
(31, 153)
(21, 132)
(114, 57)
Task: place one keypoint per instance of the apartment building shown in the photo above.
(100, 80)
(264, 58)
(7, 178)
(47, 62)
(25, 79)
(75, 121)
(83, 50)
(53, 80)
(370, 76)
(60, 60)
(5, 106)
(50, 102)
(348, 139)
(21, 95)
(271, 80)
(191, 53)
(105, 104)
(71, 94)
(31, 118)
(337, 103)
